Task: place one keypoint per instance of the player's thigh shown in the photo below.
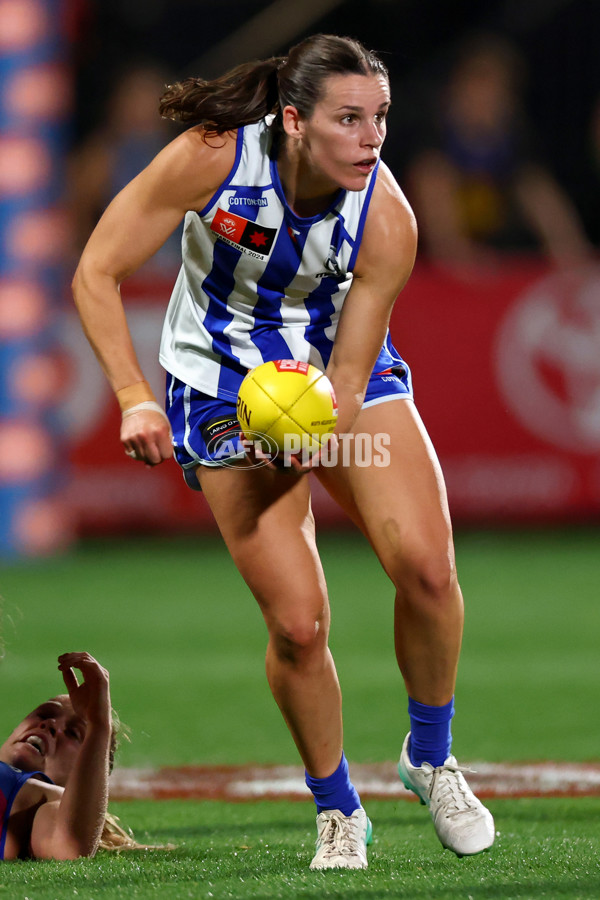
(266, 520)
(401, 503)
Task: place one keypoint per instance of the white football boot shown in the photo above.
(461, 821)
(342, 840)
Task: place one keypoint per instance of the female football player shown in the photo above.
(297, 241)
(54, 770)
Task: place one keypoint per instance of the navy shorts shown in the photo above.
(206, 431)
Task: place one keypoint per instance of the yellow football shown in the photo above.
(291, 403)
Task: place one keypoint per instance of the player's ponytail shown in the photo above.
(244, 95)
(253, 90)
(116, 838)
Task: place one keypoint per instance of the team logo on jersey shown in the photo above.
(248, 236)
(332, 265)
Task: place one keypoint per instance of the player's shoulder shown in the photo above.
(194, 149)
(389, 197)
(390, 219)
(194, 162)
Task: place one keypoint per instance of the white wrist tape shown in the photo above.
(146, 404)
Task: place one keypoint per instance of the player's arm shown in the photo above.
(135, 225)
(71, 827)
(384, 263)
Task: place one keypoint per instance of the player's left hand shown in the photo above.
(300, 465)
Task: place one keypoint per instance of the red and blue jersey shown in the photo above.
(11, 782)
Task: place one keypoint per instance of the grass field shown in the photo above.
(184, 643)
(544, 849)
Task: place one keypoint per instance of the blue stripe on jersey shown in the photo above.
(279, 272)
(340, 235)
(363, 216)
(230, 380)
(218, 285)
(321, 308)
(221, 274)
(320, 304)
(220, 281)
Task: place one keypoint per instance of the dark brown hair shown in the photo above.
(252, 90)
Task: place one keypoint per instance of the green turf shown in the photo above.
(528, 682)
(544, 849)
(185, 644)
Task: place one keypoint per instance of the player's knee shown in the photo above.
(426, 575)
(436, 579)
(297, 640)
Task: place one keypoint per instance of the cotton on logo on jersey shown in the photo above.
(247, 236)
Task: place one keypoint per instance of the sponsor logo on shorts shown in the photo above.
(393, 374)
(219, 432)
(217, 427)
(249, 237)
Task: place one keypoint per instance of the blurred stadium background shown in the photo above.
(506, 361)
(506, 357)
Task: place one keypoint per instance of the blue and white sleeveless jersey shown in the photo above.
(258, 282)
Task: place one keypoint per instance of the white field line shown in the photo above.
(378, 780)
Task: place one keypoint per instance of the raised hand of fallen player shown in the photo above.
(91, 698)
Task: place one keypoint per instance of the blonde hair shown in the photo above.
(114, 837)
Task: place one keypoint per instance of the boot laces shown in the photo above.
(451, 790)
(337, 837)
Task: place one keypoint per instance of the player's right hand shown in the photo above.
(146, 437)
(90, 698)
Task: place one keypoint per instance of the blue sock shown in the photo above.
(336, 791)
(430, 733)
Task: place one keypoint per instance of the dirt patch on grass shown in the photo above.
(379, 781)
